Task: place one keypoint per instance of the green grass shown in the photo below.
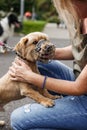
(32, 26)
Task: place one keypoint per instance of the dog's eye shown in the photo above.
(35, 42)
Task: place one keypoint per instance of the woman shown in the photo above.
(70, 112)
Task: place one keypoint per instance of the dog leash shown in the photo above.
(6, 46)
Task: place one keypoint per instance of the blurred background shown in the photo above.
(33, 14)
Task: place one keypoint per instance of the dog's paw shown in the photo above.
(48, 103)
(57, 97)
(2, 123)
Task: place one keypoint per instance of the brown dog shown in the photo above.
(30, 48)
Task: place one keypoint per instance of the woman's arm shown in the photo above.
(78, 87)
(23, 73)
(84, 28)
(64, 53)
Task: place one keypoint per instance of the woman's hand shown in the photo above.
(20, 71)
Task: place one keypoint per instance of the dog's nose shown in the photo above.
(49, 48)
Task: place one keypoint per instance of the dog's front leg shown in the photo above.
(35, 95)
(48, 95)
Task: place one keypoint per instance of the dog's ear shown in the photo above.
(21, 45)
(25, 40)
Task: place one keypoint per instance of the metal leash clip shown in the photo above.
(8, 48)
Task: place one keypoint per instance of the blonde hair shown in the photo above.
(67, 12)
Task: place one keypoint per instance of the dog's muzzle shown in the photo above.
(45, 50)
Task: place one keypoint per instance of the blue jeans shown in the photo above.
(69, 112)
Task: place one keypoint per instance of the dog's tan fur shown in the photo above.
(12, 90)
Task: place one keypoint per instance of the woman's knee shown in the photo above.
(13, 121)
(25, 117)
(16, 119)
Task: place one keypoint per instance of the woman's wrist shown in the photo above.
(37, 79)
(30, 76)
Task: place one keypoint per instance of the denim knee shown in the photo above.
(15, 120)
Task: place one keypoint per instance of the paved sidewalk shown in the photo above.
(54, 32)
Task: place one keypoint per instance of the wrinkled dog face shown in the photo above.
(35, 46)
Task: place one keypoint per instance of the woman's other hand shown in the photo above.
(19, 71)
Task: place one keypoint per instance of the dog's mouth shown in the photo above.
(46, 51)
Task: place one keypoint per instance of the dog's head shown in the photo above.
(35, 46)
(13, 20)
